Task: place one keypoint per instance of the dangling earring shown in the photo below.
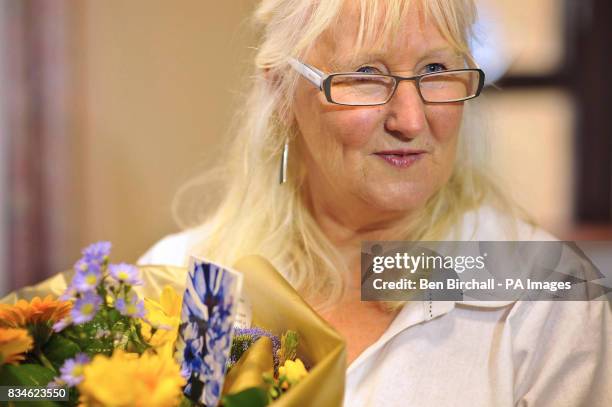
(283, 163)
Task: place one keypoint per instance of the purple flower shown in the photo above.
(245, 337)
(85, 308)
(69, 293)
(61, 324)
(132, 306)
(87, 277)
(125, 273)
(97, 252)
(56, 383)
(72, 369)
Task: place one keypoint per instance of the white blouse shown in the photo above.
(438, 353)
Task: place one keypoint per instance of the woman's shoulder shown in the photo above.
(490, 223)
(173, 249)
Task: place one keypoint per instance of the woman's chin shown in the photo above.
(402, 201)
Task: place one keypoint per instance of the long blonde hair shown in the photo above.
(256, 215)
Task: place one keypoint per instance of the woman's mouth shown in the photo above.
(401, 158)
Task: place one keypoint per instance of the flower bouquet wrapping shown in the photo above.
(119, 335)
(278, 307)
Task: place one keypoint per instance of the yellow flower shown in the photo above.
(37, 311)
(294, 371)
(13, 344)
(160, 327)
(148, 380)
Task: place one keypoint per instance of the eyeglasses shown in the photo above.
(368, 89)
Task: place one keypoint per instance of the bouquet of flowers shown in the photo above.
(106, 320)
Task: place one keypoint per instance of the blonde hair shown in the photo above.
(256, 215)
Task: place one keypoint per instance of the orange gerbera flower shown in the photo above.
(13, 344)
(37, 311)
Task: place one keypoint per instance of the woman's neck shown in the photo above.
(346, 228)
(347, 225)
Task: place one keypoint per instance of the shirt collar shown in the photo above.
(434, 309)
(485, 304)
(416, 312)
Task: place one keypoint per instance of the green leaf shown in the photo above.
(185, 402)
(58, 349)
(113, 316)
(251, 397)
(97, 346)
(288, 349)
(25, 375)
(136, 342)
(30, 375)
(84, 336)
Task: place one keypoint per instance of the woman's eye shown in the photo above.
(436, 67)
(368, 69)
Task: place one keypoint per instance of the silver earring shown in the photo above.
(283, 163)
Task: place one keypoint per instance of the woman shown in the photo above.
(369, 156)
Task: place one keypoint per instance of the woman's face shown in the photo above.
(347, 151)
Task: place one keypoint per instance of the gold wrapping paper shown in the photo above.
(276, 307)
(248, 371)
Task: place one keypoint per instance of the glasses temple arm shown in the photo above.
(311, 73)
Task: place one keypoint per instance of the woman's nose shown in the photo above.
(406, 111)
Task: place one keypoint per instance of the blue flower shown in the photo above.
(97, 252)
(245, 337)
(61, 324)
(87, 278)
(192, 355)
(189, 348)
(72, 369)
(206, 328)
(85, 308)
(125, 273)
(69, 293)
(132, 306)
(212, 392)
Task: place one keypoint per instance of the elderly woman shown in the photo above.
(362, 105)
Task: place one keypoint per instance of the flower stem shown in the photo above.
(43, 359)
(102, 291)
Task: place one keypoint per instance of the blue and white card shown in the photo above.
(210, 306)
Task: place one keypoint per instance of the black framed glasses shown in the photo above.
(369, 89)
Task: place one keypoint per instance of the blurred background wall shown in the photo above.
(4, 278)
(108, 106)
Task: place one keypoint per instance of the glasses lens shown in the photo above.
(450, 86)
(355, 89)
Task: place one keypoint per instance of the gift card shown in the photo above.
(210, 306)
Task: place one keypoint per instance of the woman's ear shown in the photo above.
(271, 78)
(273, 81)
(267, 74)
